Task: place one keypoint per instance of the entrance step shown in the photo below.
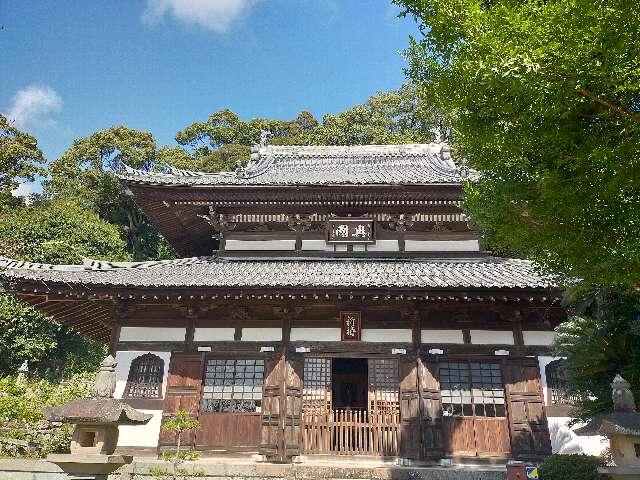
(210, 469)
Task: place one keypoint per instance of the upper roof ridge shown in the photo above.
(411, 164)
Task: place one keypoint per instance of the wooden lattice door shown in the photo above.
(316, 405)
(384, 406)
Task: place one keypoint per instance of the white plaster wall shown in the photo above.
(145, 435)
(441, 245)
(492, 337)
(152, 334)
(442, 336)
(383, 246)
(283, 244)
(261, 334)
(315, 334)
(564, 440)
(543, 361)
(538, 338)
(316, 244)
(386, 335)
(141, 435)
(215, 334)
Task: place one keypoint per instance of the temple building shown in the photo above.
(331, 301)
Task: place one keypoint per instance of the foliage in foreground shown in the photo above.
(544, 100)
(50, 233)
(50, 349)
(180, 422)
(570, 467)
(599, 343)
(21, 404)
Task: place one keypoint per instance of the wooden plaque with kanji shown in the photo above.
(351, 323)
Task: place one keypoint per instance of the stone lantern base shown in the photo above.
(89, 464)
(91, 439)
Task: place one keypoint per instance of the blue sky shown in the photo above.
(74, 67)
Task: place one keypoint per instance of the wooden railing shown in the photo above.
(351, 432)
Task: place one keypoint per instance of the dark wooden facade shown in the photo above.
(414, 398)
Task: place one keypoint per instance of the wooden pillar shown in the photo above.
(116, 325)
(114, 338)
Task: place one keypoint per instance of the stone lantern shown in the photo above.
(96, 421)
(623, 429)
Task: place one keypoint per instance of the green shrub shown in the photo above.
(21, 416)
(570, 467)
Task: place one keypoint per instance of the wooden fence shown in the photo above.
(351, 432)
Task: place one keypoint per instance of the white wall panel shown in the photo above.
(216, 334)
(315, 334)
(386, 335)
(441, 245)
(538, 338)
(261, 334)
(383, 246)
(492, 337)
(316, 244)
(283, 244)
(152, 334)
(442, 336)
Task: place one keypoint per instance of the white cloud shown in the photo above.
(23, 190)
(33, 105)
(216, 15)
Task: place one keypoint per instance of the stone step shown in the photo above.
(26, 469)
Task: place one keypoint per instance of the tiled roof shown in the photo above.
(215, 272)
(410, 164)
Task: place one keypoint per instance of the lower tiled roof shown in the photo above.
(214, 272)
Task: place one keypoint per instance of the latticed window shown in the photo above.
(233, 385)
(145, 377)
(384, 385)
(316, 394)
(557, 383)
(472, 389)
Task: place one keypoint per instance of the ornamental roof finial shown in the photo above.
(264, 135)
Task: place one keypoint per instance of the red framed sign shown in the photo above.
(351, 326)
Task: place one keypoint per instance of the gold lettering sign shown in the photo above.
(350, 230)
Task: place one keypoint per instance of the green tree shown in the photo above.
(84, 174)
(20, 159)
(398, 116)
(58, 233)
(601, 340)
(543, 99)
(180, 422)
(55, 233)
